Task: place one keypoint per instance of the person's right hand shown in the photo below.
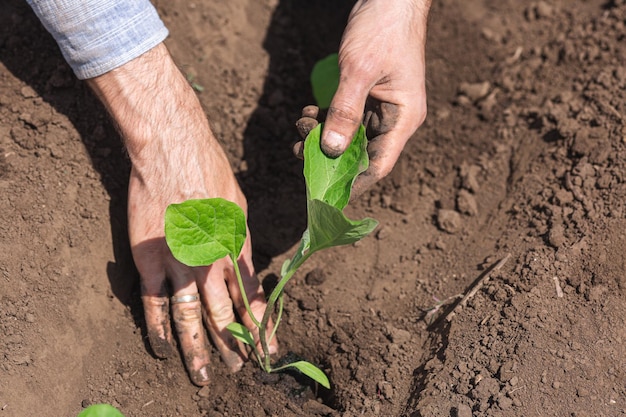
(175, 157)
(381, 62)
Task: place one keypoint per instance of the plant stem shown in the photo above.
(259, 325)
(271, 302)
(246, 303)
(278, 317)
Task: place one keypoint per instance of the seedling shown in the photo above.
(199, 232)
(325, 80)
(100, 410)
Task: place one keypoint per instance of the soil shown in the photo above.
(494, 286)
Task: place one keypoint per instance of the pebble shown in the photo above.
(313, 407)
(28, 92)
(466, 203)
(398, 335)
(449, 221)
(316, 276)
(204, 392)
(475, 91)
(469, 174)
(463, 410)
(382, 233)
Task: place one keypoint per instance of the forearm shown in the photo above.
(159, 118)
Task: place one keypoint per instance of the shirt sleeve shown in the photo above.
(96, 36)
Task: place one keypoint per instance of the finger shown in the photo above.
(389, 127)
(380, 117)
(305, 125)
(187, 317)
(156, 309)
(344, 117)
(298, 150)
(256, 299)
(219, 314)
(311, 111)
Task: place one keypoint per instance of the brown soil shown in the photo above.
(529, 164)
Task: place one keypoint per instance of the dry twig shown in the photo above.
(478, 284)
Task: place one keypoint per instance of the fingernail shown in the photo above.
(334, 143)
(201, 377)
(334, 140)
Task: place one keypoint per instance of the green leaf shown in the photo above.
(100, 410)
(329, 182)
(311, 371)
(325, 80)
(328, 226)
(199, 232)
(241, 333)
(330, 179)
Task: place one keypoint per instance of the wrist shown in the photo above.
(152, 105)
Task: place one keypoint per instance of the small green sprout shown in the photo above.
(100, 410)
(199, 232)
(197, 87)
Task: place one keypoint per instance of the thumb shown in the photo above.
(343, 119)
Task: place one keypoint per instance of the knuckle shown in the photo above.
(220, 315)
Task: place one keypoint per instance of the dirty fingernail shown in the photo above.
(201, 377)
(333, 143)
(310, 111)
(160, 346)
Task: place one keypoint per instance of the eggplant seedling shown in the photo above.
(199, 232)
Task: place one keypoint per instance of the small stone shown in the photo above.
(543, 10)
(204, 392)
(466, 203)
(28, 92)
(307, 303)
(313, 407)
(398, 335)
(475, 91)
(382, 233)
(316, 276)
(556, 236)
(449, 221)
(469, 174)
(463, 410)
(505, 403)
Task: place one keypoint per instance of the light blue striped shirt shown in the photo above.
(96, 36)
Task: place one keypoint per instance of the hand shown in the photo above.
(381, 61)
(175, 157)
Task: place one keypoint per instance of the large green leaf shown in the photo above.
(325, 80)
(330, 179)
(311, 371)
(328, 226)
(100, 410)
(199, 232)
(329, 182)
